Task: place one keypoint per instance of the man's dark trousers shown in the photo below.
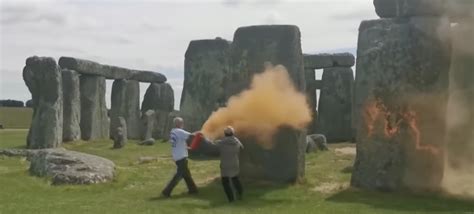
(181, 172)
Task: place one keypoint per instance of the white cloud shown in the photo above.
(154, 34)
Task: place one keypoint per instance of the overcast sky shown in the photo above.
(154, 35)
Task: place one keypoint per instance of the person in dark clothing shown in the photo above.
(229, 149)
(178, 138)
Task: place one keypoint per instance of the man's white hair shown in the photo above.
(178, 121)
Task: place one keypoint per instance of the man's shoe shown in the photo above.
(164, 195)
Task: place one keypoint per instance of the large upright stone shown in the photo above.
(205, 65)
(159, 98)
(119, 133)
(148, 122)
(312, 97)
(71, 105)
(460, 114)
(335, 105)
(94, 119)
(43, 79)
(400, 103)
(126, 104)
(252, 48)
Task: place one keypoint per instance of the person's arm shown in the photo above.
(240, 144)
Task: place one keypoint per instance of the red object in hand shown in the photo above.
(196, 141)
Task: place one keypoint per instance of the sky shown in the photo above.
(154, 35)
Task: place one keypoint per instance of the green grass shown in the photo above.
(136, 187)
(15, 117)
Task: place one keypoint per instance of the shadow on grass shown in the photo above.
(404, 201)
(213, 193)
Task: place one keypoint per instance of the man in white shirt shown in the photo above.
(178, 138)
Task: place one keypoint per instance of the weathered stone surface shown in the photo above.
(160, 98)
(325, 60)
(206, 63)
(17, 152)
(400, 103)
(335, 105)
(43, 78)
(69, 167)
(407, 8)
(456, 9)
(316, 142)
(120, 132)
(310, 145)
(460, 9)
(252, 47)
(71, 105)
(148, 124)
(147, 142)
(170, 124)
(29, 104)
(460, 113)
(110, 72)
(162, 119)
(126, 104)
(312, 97)
(94, 119)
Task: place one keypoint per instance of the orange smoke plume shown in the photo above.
(271, 101)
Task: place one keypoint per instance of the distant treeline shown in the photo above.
(15, 103)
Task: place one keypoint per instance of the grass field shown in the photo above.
(137, 186)
(15, 117)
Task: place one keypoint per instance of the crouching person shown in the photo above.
(229, 149)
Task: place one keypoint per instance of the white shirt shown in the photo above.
(178, 143)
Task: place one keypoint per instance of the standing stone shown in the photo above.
(126, 104)
(335, 104)
(312, 97)
(120, 132)
(29, 104)
(170, 124)
(148, 121)
(43, 79)
(400, 103)
(94, 118)
(205, 65)
(159, 98)
(71, 105)
(460, 114)
(252, 48)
